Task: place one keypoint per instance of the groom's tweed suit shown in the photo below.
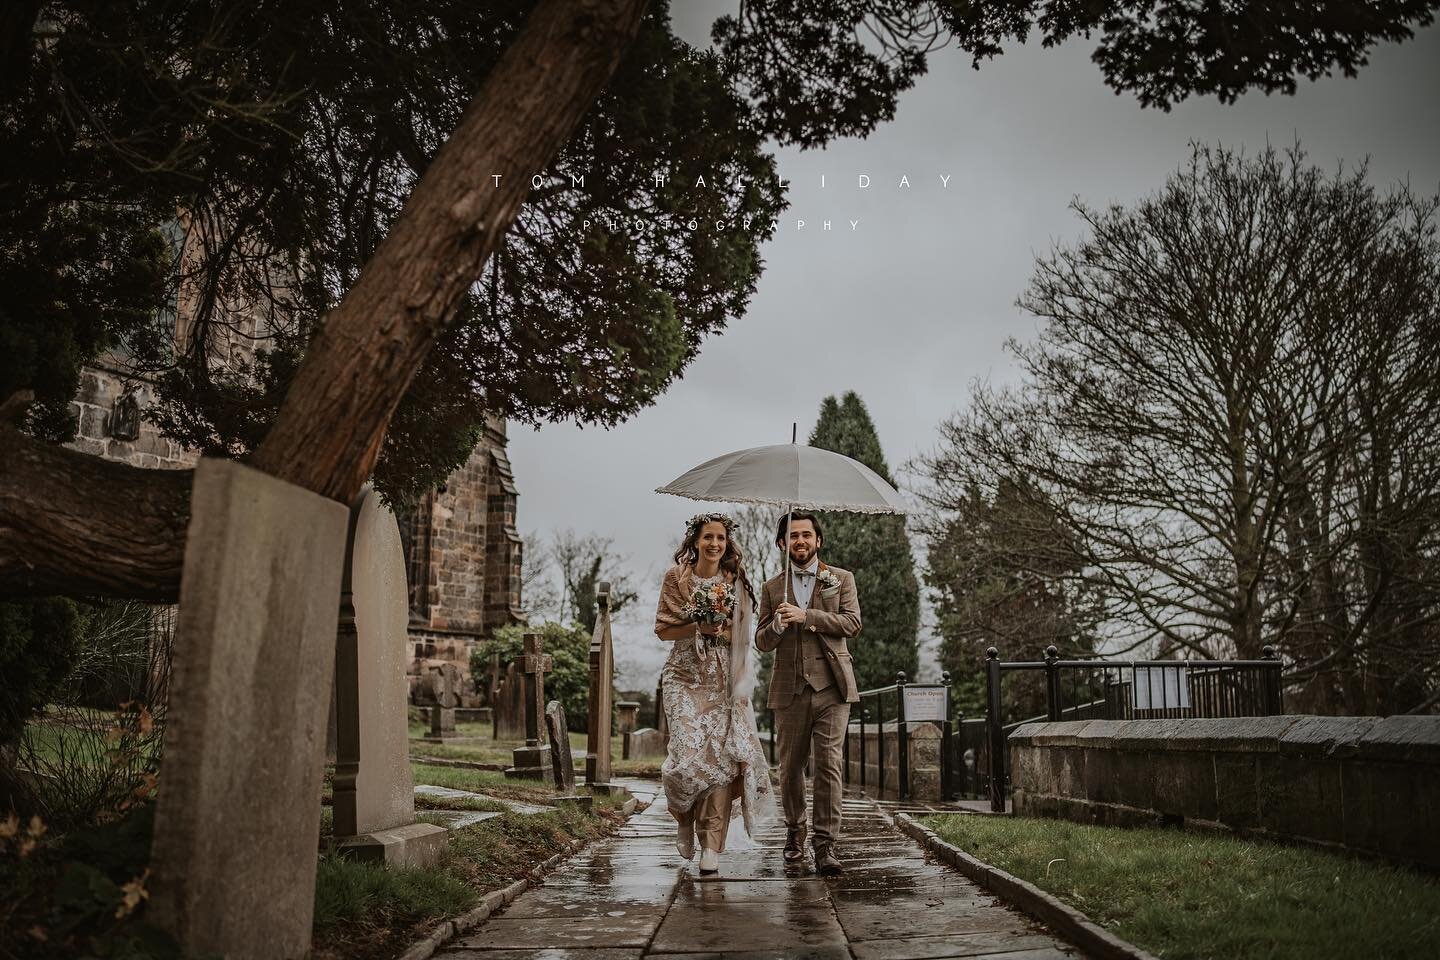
(812, 685)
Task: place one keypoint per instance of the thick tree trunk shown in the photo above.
(73, 524)
(330, 427)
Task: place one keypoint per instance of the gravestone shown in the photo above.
(444, 692)
(237, 822)
(532, 761)
(374, 798)
(509, 718)
(643, 743)
(628, 716)
(602, 696)
(561, 761)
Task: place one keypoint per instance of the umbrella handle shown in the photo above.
(788, 565)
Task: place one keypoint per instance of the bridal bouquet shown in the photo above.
(711, 603)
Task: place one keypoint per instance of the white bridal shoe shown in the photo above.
(685, 840)
(709, 861)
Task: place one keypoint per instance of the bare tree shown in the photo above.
(1229, 410)
(538, 587)
(755, 536)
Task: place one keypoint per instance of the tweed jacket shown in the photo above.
(833, 620)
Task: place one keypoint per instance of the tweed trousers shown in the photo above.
(812, 726)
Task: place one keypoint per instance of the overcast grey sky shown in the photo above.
(914, 304)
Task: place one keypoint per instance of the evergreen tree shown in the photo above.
(875, 548)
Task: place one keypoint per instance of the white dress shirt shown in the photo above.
(802, 587)
(802, 583)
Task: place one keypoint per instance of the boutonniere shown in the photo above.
(829, 583)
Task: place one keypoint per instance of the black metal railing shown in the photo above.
(1126, 690)
(872, 711)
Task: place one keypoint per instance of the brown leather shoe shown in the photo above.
(795, 844)
(826, 863)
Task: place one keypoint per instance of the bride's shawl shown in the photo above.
(670, 612)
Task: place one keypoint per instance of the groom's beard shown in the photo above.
(801, 558)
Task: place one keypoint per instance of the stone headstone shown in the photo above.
(628, 716)
(510, 706)
(643, 743)
(374, 788)
(562, 763)
(443, 681)
(532, 761)
(237, 825)
(602, 692)
(442, 723)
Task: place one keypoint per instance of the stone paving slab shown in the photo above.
(632, 896)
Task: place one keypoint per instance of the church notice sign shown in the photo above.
(927, 703)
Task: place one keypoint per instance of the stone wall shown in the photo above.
(94, 406)
(1359, 783)
(922, 761)
(464, 559)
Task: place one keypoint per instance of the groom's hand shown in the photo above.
(788, 613)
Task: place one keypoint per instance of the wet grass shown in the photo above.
(484, 749)
(367, 911)
(1183, 894)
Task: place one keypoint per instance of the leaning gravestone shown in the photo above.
(237, 825)
(374, 790)
(561, 760)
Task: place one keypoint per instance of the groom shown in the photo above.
(811, 684)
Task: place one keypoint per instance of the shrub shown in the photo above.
(569, 678)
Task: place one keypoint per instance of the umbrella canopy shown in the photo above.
(789, 475)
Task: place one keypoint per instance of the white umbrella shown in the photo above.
(789, 475)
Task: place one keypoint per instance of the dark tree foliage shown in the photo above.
(285, 138)
(875, 549)
(1164, 52)
(1001, 572)
(39, 640)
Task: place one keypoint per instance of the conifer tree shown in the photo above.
(875, 548)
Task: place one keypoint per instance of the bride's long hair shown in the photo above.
(731, 562)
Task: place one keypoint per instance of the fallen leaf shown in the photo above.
(37, 827)
(38, 932)
(9, 827)
(134, 892)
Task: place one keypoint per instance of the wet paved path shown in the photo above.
(632, 896)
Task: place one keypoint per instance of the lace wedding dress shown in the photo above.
(707, 698)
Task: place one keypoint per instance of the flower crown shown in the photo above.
(700, 519)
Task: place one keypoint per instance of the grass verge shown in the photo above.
(1183, 894)
(369, 912)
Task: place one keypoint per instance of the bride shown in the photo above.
(715, 759)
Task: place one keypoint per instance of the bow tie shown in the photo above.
(805, 574)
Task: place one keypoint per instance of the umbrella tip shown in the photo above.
(794, 431)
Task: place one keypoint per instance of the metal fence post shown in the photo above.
(1274, 702)
(1052, 684)
(995, 730)
(880, 730)
(863, 711)
(902, 735)
(946, 743)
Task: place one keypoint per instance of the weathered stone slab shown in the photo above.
(562, 763)
(411, 845)
(1325, 737)
(1403, 738)
(237, 825)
